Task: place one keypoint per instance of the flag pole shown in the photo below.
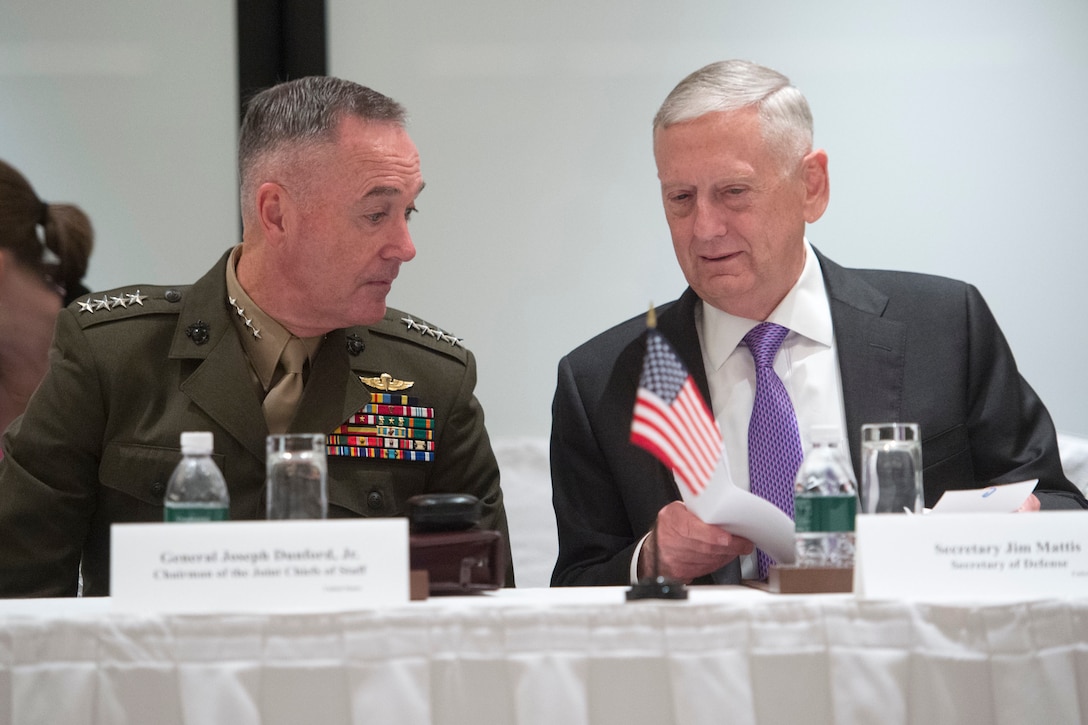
(655, 586)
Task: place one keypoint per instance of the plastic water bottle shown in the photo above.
(825, 500)
(196, 491)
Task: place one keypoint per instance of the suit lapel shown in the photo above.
(871, 352)
(677, 324)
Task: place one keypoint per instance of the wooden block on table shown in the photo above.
(807, 580)
(419, 584)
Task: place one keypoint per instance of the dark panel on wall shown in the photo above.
(278, 40)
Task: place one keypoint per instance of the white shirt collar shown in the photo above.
(804, 310)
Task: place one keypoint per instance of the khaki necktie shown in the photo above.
(282, 400)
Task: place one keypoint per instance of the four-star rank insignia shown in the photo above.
(385, 381)
(111, 303)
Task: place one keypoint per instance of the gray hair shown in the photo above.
(300, 113)
(731, 85)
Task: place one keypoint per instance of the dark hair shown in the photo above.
(66, 232)
(303, 111)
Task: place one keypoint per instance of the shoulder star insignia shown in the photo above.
(87, 306)
(102, 304)
(385, 381)
(118, 302)
(409, 322)
(136, 299)
(436, 333)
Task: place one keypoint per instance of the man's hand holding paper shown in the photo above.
(682, 546)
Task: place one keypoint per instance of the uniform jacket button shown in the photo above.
(172, 295)
(158, 488)
(375, 500)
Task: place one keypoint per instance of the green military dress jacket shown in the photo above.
(133, 368)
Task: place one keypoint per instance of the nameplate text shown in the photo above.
(259, 566)
(972, 557)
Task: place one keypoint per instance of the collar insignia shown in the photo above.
(242, 313)
(198, 332)
(355, 345)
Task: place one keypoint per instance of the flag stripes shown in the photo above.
(671, 419)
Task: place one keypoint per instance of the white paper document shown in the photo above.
(742, 513)
(990, 500)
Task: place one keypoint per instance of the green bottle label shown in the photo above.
(813, 514)
(191, 513)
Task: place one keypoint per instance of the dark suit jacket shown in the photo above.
(101, 435)
(911, 347)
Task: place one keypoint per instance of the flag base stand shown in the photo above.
(806, 580)
(657, 588)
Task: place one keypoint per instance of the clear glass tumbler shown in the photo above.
(296, 476)
(891, 468)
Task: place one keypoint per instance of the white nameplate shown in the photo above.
(972, 557)
(259, 566)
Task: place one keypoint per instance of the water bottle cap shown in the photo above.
(825, 434)
(196, 442)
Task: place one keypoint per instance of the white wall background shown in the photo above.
(955, 131)
(127, 108)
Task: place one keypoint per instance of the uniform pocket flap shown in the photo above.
(141, 471)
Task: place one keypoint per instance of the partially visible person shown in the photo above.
(44, 250)
(740, 182)
(287, 333)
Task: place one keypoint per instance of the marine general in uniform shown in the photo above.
(329, 179)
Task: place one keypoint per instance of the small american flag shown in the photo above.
(671, 419)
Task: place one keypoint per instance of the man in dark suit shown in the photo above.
(329, 180)
(739, 182)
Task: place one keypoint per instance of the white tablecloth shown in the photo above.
(571, 657)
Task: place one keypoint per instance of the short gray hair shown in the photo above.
(303, 112)
(730, 85)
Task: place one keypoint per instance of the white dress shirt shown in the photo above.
(807, 363)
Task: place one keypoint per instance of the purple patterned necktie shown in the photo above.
(774, 444)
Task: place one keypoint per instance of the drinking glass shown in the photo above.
(891, 468)
(296, 476)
